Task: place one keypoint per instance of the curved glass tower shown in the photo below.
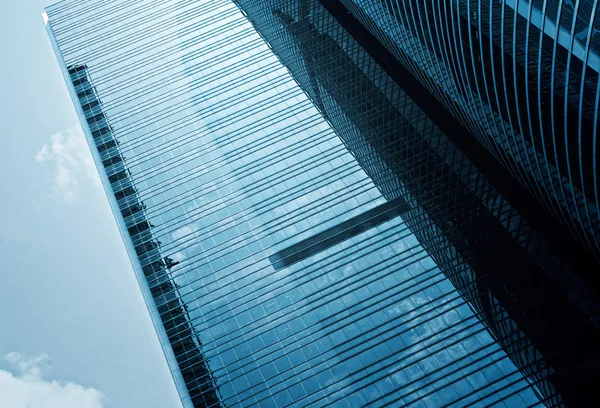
(305, 229)
(522, 77)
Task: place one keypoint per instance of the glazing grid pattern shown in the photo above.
(395, 147)
(233, 163)
(531, 100)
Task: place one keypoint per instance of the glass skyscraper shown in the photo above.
(304, 229)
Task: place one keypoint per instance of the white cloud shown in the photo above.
(178, 256)
(184, 231)
(73, 164)
(25, 387)
(29, 368)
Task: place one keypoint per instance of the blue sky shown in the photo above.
(74, 331)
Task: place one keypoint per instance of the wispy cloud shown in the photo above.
(67, 152)
(24, 386)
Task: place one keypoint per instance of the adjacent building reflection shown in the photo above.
(522, 76)
(530, 298)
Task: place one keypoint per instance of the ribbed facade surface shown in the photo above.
(303, 233)
(522, 76)
(492, 255)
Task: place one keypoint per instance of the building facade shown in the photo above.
(305, 233)
(522, 77)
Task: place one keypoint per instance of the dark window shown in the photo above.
(80, 81)
(85, 93)
(119, 195)
(100, 132)
(145, 247)
(96, 118)
(152, 268)
(108, 145)
(90, 105)
(142, 226)
(117, 177)
(126, 212)
(76, 69)
(112, 160)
